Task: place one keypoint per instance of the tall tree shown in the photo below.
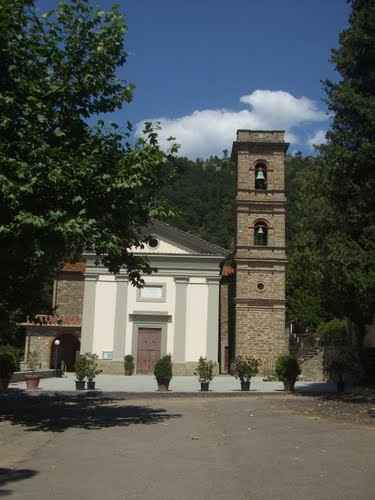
(66, 186)
(349, 158)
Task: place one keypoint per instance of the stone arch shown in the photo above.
(66, 352)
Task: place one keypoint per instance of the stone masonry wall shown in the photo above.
(69, 289)
(260, 279)
(224, 323)
(40, 338)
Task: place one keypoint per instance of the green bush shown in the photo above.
(205, 370)
(287, 370)
(81, 368)
(341, 360)
(245, 367)
(92, 369)
(163, 370)
(8, 362)
(129, 364)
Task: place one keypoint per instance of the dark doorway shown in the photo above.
(148, 351)
(66, 352)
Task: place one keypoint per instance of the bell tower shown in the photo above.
(260, 253)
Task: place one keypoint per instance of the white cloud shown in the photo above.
(210, 131)
(318, 138)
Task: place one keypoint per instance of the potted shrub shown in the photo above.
(245, 367)
(129, 364)
(163, 372)
(32, 379)
(92, 370)
(80, 369)
(205, 373)
(341, 361)
(287, 370)
(8, 365)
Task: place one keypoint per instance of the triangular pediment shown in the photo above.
(171, 240)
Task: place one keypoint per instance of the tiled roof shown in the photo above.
(187, 240)
(53, 320)
(74, 267)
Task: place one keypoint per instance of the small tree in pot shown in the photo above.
(341, 361)
(205, 370)
(32, 379)
(287, 370)
(81, 372)
(163, 372)
(92, 370)
(245, 367)
(129, 364)
(8, 365)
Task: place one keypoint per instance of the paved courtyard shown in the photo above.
(147, 383)
(258, 448)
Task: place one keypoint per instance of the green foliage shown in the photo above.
(202, 198)
(92, 369)
(66, 186)
(340, 359)
(81, 368)
(33, 360)
(287, 370)
(129, 364)
(163, 370)
(245, 367)
(8, 361)
(349, 158)
(205, 370)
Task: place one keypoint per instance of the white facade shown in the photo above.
(181, 301)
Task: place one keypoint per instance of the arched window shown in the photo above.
(261, 176)
(260, 234)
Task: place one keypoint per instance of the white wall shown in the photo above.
(196, 319)
(105, 303)
(164, 247)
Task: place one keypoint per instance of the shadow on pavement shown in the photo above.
(60, 414)
(10, 475)
(316, 388)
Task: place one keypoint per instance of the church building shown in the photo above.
(195, 304)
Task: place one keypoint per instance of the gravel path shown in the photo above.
(255, 448)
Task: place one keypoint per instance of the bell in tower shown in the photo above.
(260, 253)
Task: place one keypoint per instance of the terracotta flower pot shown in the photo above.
(32, 382)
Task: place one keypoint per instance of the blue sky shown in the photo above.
(193, 60)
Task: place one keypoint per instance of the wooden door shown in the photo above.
(148, 350)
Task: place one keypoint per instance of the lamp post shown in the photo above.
(56, 342)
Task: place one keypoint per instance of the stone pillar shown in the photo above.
(213, 318)
(88, 314)
(179, 348)
(120, 318)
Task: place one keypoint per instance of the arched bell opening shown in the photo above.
(261, 234)
(261, 177)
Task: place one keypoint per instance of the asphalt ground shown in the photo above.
(207, 448)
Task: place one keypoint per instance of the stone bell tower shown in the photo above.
(260, 253)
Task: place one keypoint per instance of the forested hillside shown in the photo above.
(202, 196)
